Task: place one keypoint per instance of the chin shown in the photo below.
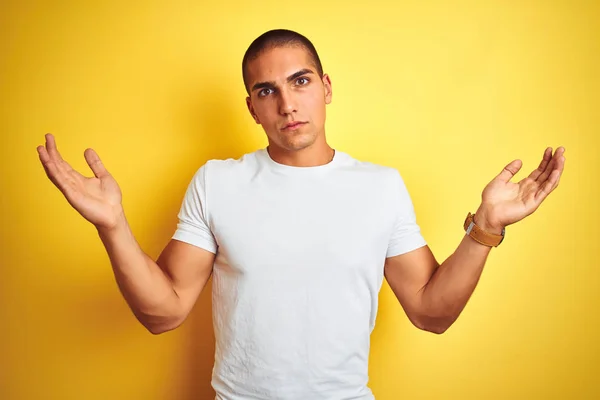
(302, 144)
(295, 143)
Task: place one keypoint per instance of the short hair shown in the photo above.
(278, 38)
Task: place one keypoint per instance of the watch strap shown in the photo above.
(481, 236)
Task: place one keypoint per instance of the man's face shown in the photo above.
(287, 97)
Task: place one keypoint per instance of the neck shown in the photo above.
(311, 156)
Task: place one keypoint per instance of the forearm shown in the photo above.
(453, 282)
(146, 288)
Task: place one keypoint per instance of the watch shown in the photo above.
(481, 236)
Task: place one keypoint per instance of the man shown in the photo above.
(298, 237)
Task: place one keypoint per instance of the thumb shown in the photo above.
(95, 163)
(510, 170)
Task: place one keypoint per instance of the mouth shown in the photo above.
(293, 125)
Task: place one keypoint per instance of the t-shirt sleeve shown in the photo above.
(193, 226)
(406, 234)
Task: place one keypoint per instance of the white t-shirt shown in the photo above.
(299, 264)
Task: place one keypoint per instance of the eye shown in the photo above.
(263, 92)
(302, 79)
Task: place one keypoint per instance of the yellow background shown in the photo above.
(447, 92)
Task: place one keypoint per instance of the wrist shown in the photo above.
(487, 223)
(117, 223)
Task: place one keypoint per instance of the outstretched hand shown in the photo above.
(505, 202)
(97, 199)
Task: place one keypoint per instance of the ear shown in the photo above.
(327, 86)
(251, 109)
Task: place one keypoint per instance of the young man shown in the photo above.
(298, 237)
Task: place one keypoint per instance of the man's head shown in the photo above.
(285, 83)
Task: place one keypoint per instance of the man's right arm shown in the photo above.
(161, 294)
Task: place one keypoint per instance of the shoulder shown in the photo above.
(385, 181)
(370, 170)
(218, 168)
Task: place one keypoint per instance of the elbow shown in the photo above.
(157, 329)
(436, 325)
(437, 329)
(158, 325)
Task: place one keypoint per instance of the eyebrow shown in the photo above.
(290, 78)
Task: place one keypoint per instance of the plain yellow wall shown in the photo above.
(447, 92)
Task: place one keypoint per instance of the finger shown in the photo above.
(43, 154)
(48, 164)
(51, 147)
(510, 170)
(551, 166)
(552, 182)
(55, 155)
(561, 168)
(53, 172)
(543, 164)
(95, 163)
(549, 185)
(44, 158)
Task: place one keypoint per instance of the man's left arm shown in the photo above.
(434, 295)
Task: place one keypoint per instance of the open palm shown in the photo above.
(97, 198)
(507, 202)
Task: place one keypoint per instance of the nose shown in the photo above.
(287, 102)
